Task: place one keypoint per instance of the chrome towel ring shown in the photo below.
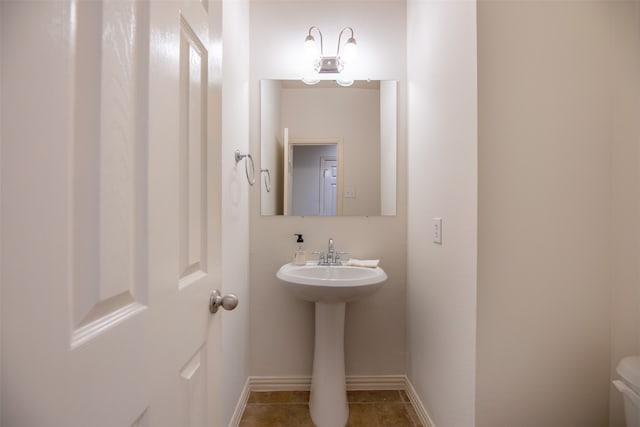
(239, 156)
(267, 179)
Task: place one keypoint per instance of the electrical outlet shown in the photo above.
(349, 193)
(436, 224)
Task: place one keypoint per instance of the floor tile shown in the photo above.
(279, 397)
(362, 415)
(413, 415)
(373, 396)
(278, 415)
(393, 414)
(379, 408)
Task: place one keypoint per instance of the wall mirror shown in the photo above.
(327, 149)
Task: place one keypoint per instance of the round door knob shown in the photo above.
(228, 302)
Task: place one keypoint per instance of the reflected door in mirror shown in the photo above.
(313, 176)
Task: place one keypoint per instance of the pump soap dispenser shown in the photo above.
(300, 257)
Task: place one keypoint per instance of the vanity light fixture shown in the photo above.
(321, 64)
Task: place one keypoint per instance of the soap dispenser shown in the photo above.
(300, 257)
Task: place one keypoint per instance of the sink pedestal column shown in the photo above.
(328, 400)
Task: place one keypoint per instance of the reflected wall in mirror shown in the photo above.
(301, 124)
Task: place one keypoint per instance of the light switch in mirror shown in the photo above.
(330, 150)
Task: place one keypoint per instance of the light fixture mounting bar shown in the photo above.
(330, 64)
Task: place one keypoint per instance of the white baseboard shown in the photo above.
(377, 382)
(279, 383)
(422, 413)
(381, 382)
(241, 405)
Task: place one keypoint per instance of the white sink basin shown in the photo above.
(329, 283)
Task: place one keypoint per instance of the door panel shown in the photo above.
(110, 213)
(109, 283)
(193, 155)
(193, 391)
(329, 171)
(183, 222)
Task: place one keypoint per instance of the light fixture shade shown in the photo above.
(350, 51)
(310, 80)
(311, 51)
(344, 81)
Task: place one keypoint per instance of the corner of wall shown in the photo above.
(625, 299)
(235, 199)
(442, 174)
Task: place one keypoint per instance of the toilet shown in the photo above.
(629, 371)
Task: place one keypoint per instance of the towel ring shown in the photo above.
(239, 156)
(267, 179)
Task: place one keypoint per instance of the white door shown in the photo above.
(110, 213)
(328, 195)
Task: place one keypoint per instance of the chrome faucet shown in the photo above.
(332, 257)
(331, 252)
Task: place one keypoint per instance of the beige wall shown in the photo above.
(625, 302)
(281, 326)
(544, 251)
(442, 153)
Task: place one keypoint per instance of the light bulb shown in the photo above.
(310, 80)
(311, 52)
(350, 51)
(345, 82)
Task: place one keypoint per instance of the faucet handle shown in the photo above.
(338, 258)
(320, 257)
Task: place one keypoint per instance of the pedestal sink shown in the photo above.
(330, 288)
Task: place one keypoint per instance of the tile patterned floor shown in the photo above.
(383, 408)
